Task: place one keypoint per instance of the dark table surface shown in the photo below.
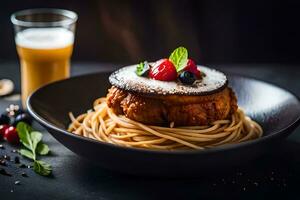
(274, 175)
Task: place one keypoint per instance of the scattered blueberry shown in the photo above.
(4, 119)
(187, 78)
(23, 117)
(19, 111)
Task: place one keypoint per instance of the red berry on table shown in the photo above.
(11, 135)
(192, 67)
(163, 70)
(3, 127)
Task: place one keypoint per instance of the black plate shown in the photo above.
(277, 110)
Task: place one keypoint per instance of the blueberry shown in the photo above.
(23, 117)
(187, 78)
(19, 111)
(4, 119)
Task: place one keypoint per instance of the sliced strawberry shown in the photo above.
(163, 70)
(192, 67)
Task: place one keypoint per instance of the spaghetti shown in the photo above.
(103, 125)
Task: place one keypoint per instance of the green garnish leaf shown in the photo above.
(26, 153)
(24, 134)
(179, 57)
(42, 168)
(142, 69)
(36, 137)
(139, 69)
(32, 141)
(42, 149)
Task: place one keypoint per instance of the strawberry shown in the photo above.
(163, 70)
(192, 67)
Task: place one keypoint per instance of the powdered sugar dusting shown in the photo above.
(126, 78)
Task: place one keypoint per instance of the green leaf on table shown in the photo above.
(179, 57)
(32, 140)
(36, 137)
(26, 153)
(42, 149)
(24, 134)
(42, 168)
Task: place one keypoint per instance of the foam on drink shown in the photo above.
(45, 38)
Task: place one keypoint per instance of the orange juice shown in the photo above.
(44, 56)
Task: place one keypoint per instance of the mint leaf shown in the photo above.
(24, 134)
(139, 69)
(36, 137)
(142, 69)
(42, 149)
(179, 58)
(32, 141)
(42, 168)
(26, 153)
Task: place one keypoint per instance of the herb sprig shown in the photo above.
(179, 58)
(142, 69)
(33, 145)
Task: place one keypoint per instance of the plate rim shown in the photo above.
(222, 148)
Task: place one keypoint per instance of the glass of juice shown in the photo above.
(44, 40)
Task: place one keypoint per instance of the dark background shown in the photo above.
(256, 38)
(216, 32)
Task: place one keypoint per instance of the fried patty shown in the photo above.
(164, 109)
